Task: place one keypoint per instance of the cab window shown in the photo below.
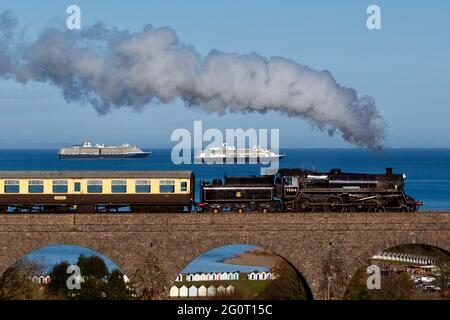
(94, 186)
(167, 186)
(35, 186)
(12, 186)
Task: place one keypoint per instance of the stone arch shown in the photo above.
(362, 259)
(199, 249)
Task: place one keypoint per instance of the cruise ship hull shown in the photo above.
(104, 156)
(243, 159)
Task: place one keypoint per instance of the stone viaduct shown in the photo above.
(325, 248)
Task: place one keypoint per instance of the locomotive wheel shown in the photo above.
(403, 208)
(264, 210)
(379, 208)
(359, 208)
(240, 210)
(3, 209)
(304, 204)
(333, 205)
(215, 211)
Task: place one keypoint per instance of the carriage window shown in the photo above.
(77, 186)
(12, 186)
(118, 186)
(183, 186)
(143, 186)
(94, 186)
(36, 186)
(60, 186)
(167, 186)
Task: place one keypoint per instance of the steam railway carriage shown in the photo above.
(91, 191)
(307, 191)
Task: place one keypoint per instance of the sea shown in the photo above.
(427, 179)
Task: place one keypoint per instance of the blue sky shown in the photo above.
(405, 67)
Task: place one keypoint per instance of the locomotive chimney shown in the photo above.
(388, 171)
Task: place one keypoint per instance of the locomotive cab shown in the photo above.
(287, 183)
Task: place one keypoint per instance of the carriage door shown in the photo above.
(77, 187)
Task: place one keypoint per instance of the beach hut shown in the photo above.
(212, 291)
(221, 291)
(202, 291)
(47, 279)
(224, 276)
(254, 275)
(236, 275)
(193, 291)
(183, 291)
(218, 276)
(179, 278)
(210, 277)
(203, 277)
(174, 292)
(197, 277)
(190, 277)
(229, 290)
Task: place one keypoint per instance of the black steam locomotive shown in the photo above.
(309, 191)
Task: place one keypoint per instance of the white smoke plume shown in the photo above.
(109, 68)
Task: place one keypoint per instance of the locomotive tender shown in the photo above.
(307, 191)
(174, 191)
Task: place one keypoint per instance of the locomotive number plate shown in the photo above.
(291, 190)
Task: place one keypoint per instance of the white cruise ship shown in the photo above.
(224, 152)
(99, 151)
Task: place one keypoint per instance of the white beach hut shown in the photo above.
(183, 291)
(212, 291)
(221, 291)
(193, 291)
(174, 292)
(229, 290)
(202, 291)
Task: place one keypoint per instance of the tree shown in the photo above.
(93, 266)
(396, 286)
(97, 282)
(16, 281)
(117, 288)
(58, 284)
(288, 285)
